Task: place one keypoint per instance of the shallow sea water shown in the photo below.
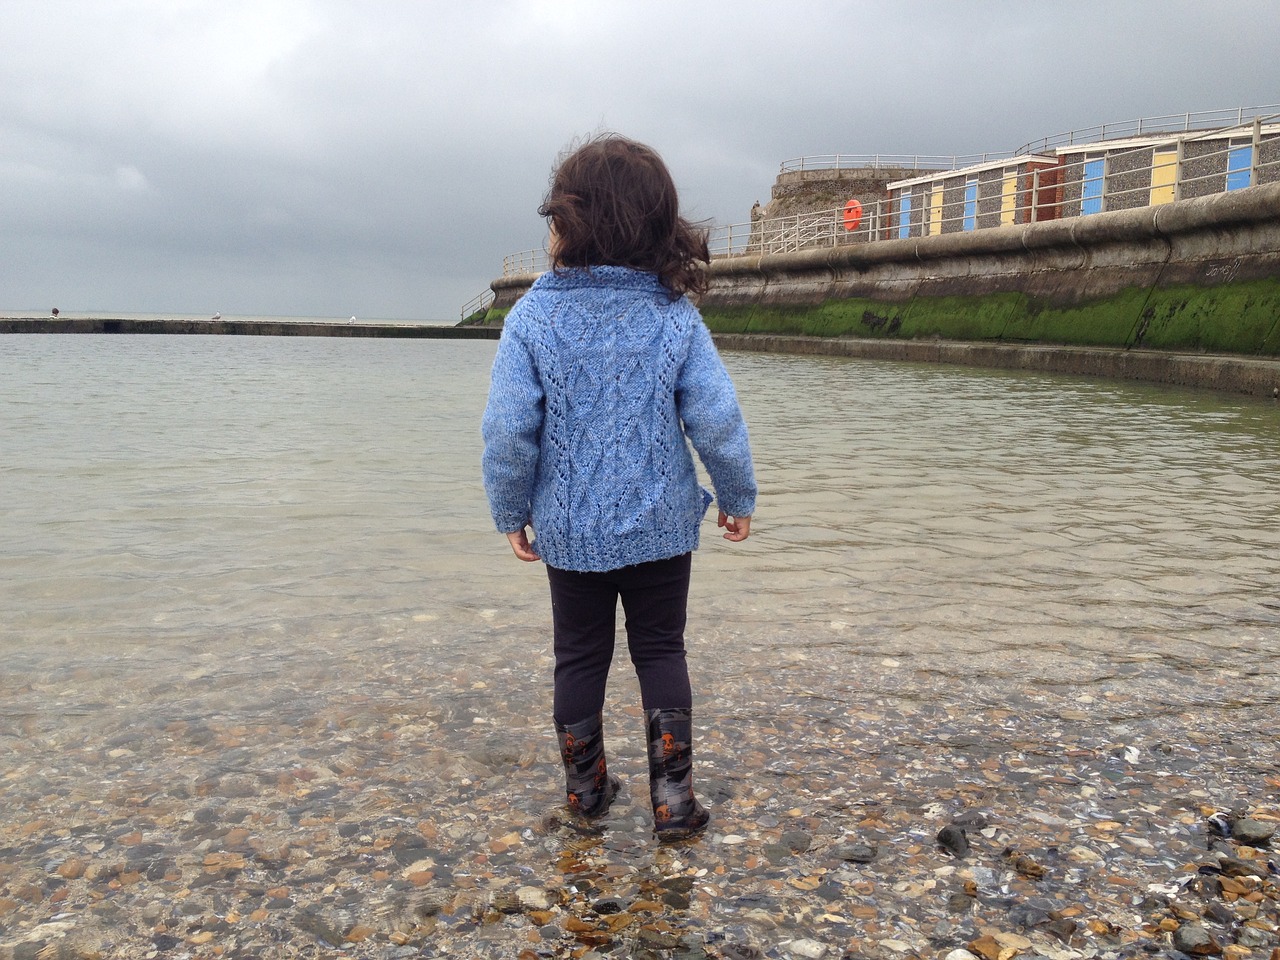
(273, 687)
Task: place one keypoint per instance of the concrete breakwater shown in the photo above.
(1181, 293)
(1249, 375)
(260, 328)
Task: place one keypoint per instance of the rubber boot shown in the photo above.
(589, 788)
(677, 814)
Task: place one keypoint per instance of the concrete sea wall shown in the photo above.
(1197, 277)
(1200, 274)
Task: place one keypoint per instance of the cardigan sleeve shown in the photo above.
(511, 430)
(708, 407)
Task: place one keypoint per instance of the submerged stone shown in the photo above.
(1252, 832)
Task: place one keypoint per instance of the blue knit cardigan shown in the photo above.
(599, 379)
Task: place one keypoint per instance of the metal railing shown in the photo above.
(477, 304)
(526, 261)
(820, 228)
(885, 161)
(1151, 126)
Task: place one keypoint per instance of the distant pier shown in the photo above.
(249, 328)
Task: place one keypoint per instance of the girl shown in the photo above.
(604, 374)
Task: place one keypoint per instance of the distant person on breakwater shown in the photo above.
(604, 374)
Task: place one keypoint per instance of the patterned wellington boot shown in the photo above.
(589, 787)
(677, 814)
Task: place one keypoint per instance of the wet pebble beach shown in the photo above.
(364, 802)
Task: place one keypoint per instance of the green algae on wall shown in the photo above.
(960, 318)
(1236, 317)
(854, 317)
(1106, 322)
(957, 317)
(495, 316)
(1240, 317)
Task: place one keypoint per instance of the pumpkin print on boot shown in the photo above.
(589, 788)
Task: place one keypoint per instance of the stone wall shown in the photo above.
(809, 191)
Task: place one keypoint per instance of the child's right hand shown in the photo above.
(736, 528)
(521, 546)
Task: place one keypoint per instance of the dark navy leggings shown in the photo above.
(584, 606)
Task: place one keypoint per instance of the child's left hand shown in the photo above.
(521, 546)
(736, 529)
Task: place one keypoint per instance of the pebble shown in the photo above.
(1194, 939)
(533, 898)
(808, 949)
(855, 852)
(954, 839)
(1252, 832)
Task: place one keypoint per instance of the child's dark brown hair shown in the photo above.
(612, 202)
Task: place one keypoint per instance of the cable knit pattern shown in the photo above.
(598, 380)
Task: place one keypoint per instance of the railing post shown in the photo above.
(1256, 153)
(1177, 170)
(1035, 196)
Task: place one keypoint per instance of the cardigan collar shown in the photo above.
(571, 278)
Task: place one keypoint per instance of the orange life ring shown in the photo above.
(852, 215)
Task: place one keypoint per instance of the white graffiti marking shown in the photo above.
(1224, 272)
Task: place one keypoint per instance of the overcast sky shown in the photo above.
(378, 159)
